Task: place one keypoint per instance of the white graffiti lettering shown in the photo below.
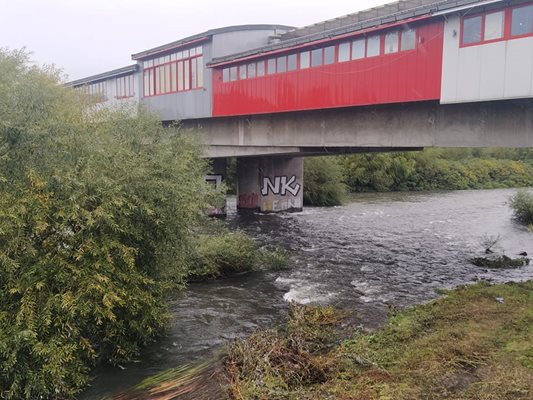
(281, 186)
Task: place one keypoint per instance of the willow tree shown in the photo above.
(95, 210)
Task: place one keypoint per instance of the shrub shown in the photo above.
(222, 254)
(439, 169)
(323, 182)
(95, 212)
(522, 205)
(218, 252)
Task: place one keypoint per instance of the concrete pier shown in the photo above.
(270, 184)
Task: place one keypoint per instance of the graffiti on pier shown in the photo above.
(281, 186)
(248, 201)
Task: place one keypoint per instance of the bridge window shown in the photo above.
(242, 71)
(344, 52)
(373, 46)
(329, 55)
(194, 75)
(261, 68)
(358, 49)
(199, 72)
(472, 30)
(522, 20)
(251, 70)
(125, 86)
(271, 66)
(304, 60)
(282, 64)
(316, 57)
(408, 40)
(494, 26)
(291, 62)
(186, 75)
(392, 42)
(98, 90)
(174, 72)
(180, 76)
(174, 87)
(233, 74)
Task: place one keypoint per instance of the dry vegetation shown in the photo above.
(475, 343)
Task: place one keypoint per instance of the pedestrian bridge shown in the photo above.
(403, 76)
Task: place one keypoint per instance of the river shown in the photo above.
(378, 250)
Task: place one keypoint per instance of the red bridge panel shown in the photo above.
(402, 76)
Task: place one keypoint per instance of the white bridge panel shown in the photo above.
(493, 71)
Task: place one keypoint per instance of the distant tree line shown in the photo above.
(328, 178)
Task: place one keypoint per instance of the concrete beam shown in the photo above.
(217, 151)
(506, 123)
(220, 152)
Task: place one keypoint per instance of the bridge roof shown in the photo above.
(204, 36)
(104, 75)
(382, 16)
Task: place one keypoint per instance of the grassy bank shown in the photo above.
(474, 343)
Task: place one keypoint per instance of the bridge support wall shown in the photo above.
(270, 184)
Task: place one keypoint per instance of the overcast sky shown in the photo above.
(92, 36)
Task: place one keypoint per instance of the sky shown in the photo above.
(88, 37)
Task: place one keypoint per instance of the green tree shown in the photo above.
(96, 207)
(323, 184)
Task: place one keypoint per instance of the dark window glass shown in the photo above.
(329, 55)
(522, 21)
(304, 60)
(233, 74)
(242, 71)
(472, 30)
(408, 39)
(373, 46)
(291, 62)
(282, 64)
(260, 68)
(358, 49)
(251, 70)
(391, 42)
(344, 52)
(316, 57)
(271, 66)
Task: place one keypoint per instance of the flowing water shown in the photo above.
(377, 251)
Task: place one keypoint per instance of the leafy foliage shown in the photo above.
(437, 169)
(95, 212)
(323, 182)
(522, 205)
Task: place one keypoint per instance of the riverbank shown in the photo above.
(475, 342)
(375, 252)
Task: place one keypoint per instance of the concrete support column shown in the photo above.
(270, 184)
(217, 177)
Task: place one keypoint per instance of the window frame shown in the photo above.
(125, 86)
(191, 62)
(509, 19)
(507, 25)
